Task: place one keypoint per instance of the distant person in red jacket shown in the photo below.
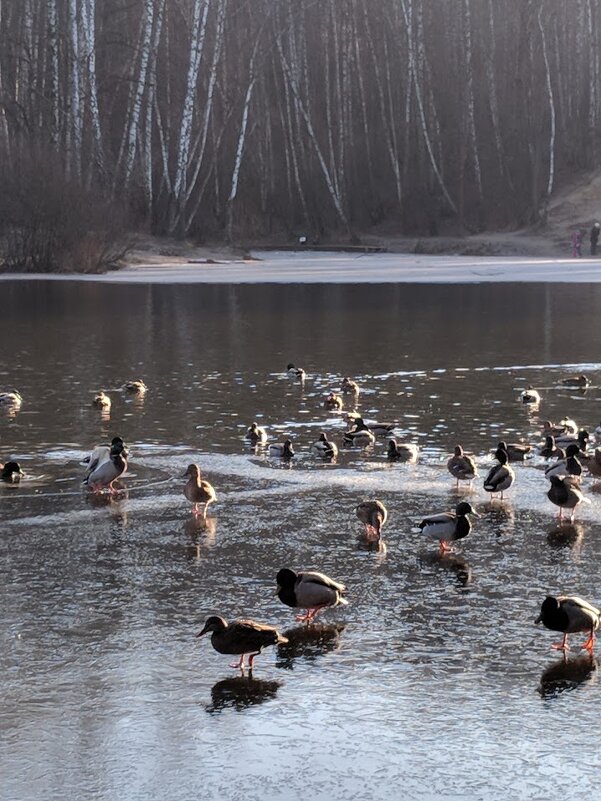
(595, 231)
(577, 244)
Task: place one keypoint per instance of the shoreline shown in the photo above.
(312, 267)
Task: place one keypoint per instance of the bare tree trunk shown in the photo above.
(551, 101)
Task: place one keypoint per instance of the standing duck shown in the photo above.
(570, 466)
(324, 447)
(296, 373)
(550, 449)
(241, 637)
(402, 452)
(256, 435)
(569, 614)
(198, 491)
(11, 472)
(283, 450)
(333, 401)
(565, 495)
(101, 454)
(108, 471)
(501, 476)
(530, 396)
(448, 526)
(461, 466)
(102, 401)
(308, 590)
(373, 515)
(349, 387)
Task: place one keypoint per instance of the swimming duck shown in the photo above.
(333, 401)
(256, 435)
(449, 526)
(373, 515)
(324, 447)
(570, 466)
(530, 396)
(136, 387)
(550, 449)
(501, 476)
(553, 430)
(101, 454)
(592, 463)
(309, 590)
(569, 614)
(11, 472)
(461, 466)
(580, 381)
(198, 491)
(102, 401)
(11, 397)
(297, 373)
(241, 637)
(355, 420)
(516, 452)
(109, 471)
(283, 450)
(349, 387)
(565, 495)
(359, 435)
(581, 440)
(402, 451)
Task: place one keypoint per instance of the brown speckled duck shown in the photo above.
(373, 515)
(198, 491)
(241, 637)
(461, 466)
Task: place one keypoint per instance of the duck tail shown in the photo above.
(342, 601)
(281, 640)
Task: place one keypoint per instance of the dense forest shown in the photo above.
(251, 118)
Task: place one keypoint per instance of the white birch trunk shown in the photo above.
(75, 125)
(551, 101)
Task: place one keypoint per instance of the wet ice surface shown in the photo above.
(433, 679)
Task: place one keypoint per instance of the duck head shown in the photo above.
(464, 508)
(193, 471)
(213, 623)
(458, 450)
(285, 578)
(549, 609)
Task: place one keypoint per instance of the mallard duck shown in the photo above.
(359, 435)
(283, 450)
(308, 590)
(256, 435)
(241, 637)
(297, 373)
(570, 614)
(461, 466)
(11, 472)
(11, 397)
(355, 422)
(516, 452)
(570, 466)
(552, 430)
(402, 451)
(198, 491)
(102, 401)
(136, 387)
(109, 471)
(373, 515)
(565, 495)
(349, 387)
(449, 526)
(530, 396)
(101, 454)
(581, 439)
(550, 449)
(333, 401)
(592, 463)
(501, 476)
(324, 447)
(580, 381)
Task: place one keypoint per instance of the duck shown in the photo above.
(552, 430)
(570, 426)
(461, 466)
(592, 463)
(449, 527)
(569, 466)
(324, 447)
(360, 435)
(309, 590)
(565, 495)
(101, 454)
(244, 637)
(570, 614)
(11, 397)
(516, 452)
(501, 476)
(373, 515)
(402, 451)
(355, 420)
(550, 449)
(136, 387)
(283, 450)
(580, 381)
(530, 396)
(11, 472)
(198, 491)
(297, 373)
(349, 387)
(102, 401)
(333, 401)
(256, 435)
(581, 439)
(108, 471)
(598, 431)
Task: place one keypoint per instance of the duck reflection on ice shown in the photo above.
(241, 692)
(365, 543)
(501, 519)
(308, 642)
(568, 535)
(452, 562)
(202, 533)
(567, 674)
(111, 500)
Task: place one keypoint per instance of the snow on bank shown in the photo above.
(310, 267)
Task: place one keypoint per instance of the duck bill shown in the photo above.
(538, 620)
(277, 590)
(204, 631)
(475, 514)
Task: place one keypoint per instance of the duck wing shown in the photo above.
(580, 613)
(315, 589)
(252, 635)
(442, 519)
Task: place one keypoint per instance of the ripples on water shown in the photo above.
(433, 678)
